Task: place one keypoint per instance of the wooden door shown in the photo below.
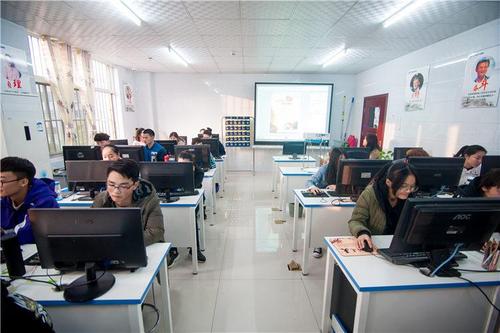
(374, 110)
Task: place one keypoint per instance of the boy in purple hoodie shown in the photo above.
(20, 191)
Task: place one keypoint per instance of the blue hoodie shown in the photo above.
(40, 195)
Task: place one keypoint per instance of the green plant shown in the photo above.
(385, 155)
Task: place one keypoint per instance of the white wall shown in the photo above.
(20, 111)
(443, 126)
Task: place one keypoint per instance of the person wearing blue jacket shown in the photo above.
(20, 191)
(148, 137)
(326, 178)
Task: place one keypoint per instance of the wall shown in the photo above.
(20, 111)
(443, 126)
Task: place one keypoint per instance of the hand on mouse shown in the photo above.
(360, 241)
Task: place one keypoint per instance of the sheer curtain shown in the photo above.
(85, 79)
(58, 56)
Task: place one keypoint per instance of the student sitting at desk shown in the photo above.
(125, 189)
(488, 185)
(325, 178)
(152, 148)
(110, 153)
(207, 134)
(102, 139)
(213, 165)
(472, 166)
(380, 204)
(371, 142)
(416, 152)
(137, 139)
(20, 191)
(176, 137)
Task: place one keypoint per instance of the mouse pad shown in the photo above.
(347, 247)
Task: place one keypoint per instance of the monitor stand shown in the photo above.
(439, 256)
(168, 198)
(92, 285)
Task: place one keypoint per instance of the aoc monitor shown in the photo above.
(214, 146)
(357, 153)
(294, 148)
(81, 153)
(354, 175)
(490, 162)
(169, 145)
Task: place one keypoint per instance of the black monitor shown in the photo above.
(294, 148)
(214, 146)
(169, 145)
(357, 153)
(201, 154)
(123, 142)
(490, 162)
(169, 178)
(400, 152)
(434, 173)
(354, 175)
(183, 138)
(81, 153)
(135, 153)
(437, 225)
(68, 239)
(215, 136)
(87, 176)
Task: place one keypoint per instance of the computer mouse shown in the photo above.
(367, 247)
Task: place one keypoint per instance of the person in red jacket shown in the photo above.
(20, 191)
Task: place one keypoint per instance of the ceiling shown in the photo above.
(248, 36)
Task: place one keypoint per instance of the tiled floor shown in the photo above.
(245, 285)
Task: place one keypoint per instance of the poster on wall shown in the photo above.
(416, 88)
(482, 77)
(16, 77)
(129, 97)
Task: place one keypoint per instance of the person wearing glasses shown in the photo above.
(20, 191)
(124, 188)
(379, 206)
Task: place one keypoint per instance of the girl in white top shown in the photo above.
(472, 166)
(137, 137)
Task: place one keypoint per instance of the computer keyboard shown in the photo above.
(308, 194)
(404, 258)
(339, 195)
(163, 195)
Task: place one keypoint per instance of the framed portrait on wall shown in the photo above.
(481, 79)
(416, 88)
(128, 93)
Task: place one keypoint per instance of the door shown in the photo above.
(374, 110)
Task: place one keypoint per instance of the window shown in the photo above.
(80, 121)
(104, 98)
(54, 126)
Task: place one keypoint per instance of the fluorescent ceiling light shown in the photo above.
(451, 62)
(126, 11)
(406, 11)
(176, 56)
(336, 57)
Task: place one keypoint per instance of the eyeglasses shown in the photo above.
(408, 188)
(119, 187)
(9, 181)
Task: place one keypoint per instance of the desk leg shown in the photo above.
(361, 312)
(194, 247)
(201, 221)
(326, 320)
(307, 240)
(493, 315)
(166, 314)
(295, 218)
(275, 174)
(214, 197)
(135, 321)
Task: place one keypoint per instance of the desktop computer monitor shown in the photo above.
(215, 136)
(437, 225)
(81, 153)
(183, 138)
(123, 142)
(490, 162)
(294, 148)
(214, 146)
(69, 239)
(201, 154)
(170, 178)
(400, 152)
(354, 175)
(169, 145)
(135, 153)
(87, 176)
(357, 153)
(433, 173)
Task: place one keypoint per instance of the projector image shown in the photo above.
(316, 136)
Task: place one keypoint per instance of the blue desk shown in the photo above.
(398, 298)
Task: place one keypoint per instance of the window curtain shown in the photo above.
(60, 73)
(85, 78)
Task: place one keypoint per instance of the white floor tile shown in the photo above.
(263, 306)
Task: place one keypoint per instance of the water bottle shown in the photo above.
(166, 158)
(153, 156)
(57, 188)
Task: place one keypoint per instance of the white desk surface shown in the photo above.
(297, 171)
(374, 273)
(184, 201)
(210, 173)
(129, 288)
(321, 202)
(287, 158)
